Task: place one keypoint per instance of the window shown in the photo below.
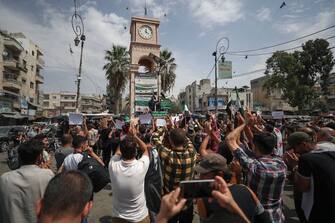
(24, 81)
(31, 100)
(31, 85)
(73, 104)
(46, 104)
(46, 96)
(54, 97)
(32, 67)
(24, 63)
(33, 53)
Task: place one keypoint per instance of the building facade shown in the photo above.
(91, 104)
(20, 74)
(268, 102)
(200, 98)
(62, 103)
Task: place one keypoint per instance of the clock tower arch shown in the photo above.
(143, 45)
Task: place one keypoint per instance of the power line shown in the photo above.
(249, 72)
(279, 44)
(269, 53)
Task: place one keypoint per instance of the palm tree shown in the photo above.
(116, 67)
(167, 70)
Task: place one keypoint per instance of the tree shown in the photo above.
(116, 68)
(296, 74)
(167, 70)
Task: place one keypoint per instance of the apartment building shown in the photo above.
(20, 74)
(91, 104)
(64, 102)
(268, 102)
(200, 98)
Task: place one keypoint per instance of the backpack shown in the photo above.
(95, 171)
(153, 182)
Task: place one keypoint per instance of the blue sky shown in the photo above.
(190, 30)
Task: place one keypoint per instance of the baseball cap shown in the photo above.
(212, 162)
(297, 138)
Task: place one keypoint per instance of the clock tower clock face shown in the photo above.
(145, 32)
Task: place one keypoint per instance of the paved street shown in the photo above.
(102, 201)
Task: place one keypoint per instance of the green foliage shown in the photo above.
(116, 68)
(175, 108)
(296, 74)
(167, 70)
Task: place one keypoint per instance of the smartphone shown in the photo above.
(196, 188)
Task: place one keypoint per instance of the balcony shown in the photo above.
(22, 67)
(10, 63)
(13, 44)
(11, 84)
(39, 78)
(40, 62)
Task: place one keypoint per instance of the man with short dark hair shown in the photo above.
(20, 189)
(266, 172)
(127, 180)
(178, 163)
(65, 150)
(67, 199)
(314, 175)
(80, 145)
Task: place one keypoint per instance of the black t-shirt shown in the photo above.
(320, 165)
(245, 201)
(104, 134)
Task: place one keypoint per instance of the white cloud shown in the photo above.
(53, 33)
(299, 28)
(263, 14)
(216, 12)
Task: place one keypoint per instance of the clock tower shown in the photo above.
(143, 47)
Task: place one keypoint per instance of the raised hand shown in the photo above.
(170, 206)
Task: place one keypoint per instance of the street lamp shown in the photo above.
(78, 29)
(219, 54)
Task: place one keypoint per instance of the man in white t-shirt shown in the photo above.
(80, 145)
(127, 180)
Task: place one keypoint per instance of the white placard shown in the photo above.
(160, 122)
(75, 119)
(145, 119)
(277, 114)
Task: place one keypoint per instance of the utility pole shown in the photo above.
(218, 53)
(82, 38)
(216, 81)
(78, 29)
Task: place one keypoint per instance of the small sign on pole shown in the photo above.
(225, 70)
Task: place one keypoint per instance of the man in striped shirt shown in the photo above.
(266, 172)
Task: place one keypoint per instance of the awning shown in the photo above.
(12, 115)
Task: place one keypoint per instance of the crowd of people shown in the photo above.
(250, 160)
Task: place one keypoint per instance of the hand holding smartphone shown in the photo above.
(197, 188)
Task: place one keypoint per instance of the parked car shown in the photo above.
(8, 135)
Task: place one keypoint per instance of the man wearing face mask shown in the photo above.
(312, 165)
